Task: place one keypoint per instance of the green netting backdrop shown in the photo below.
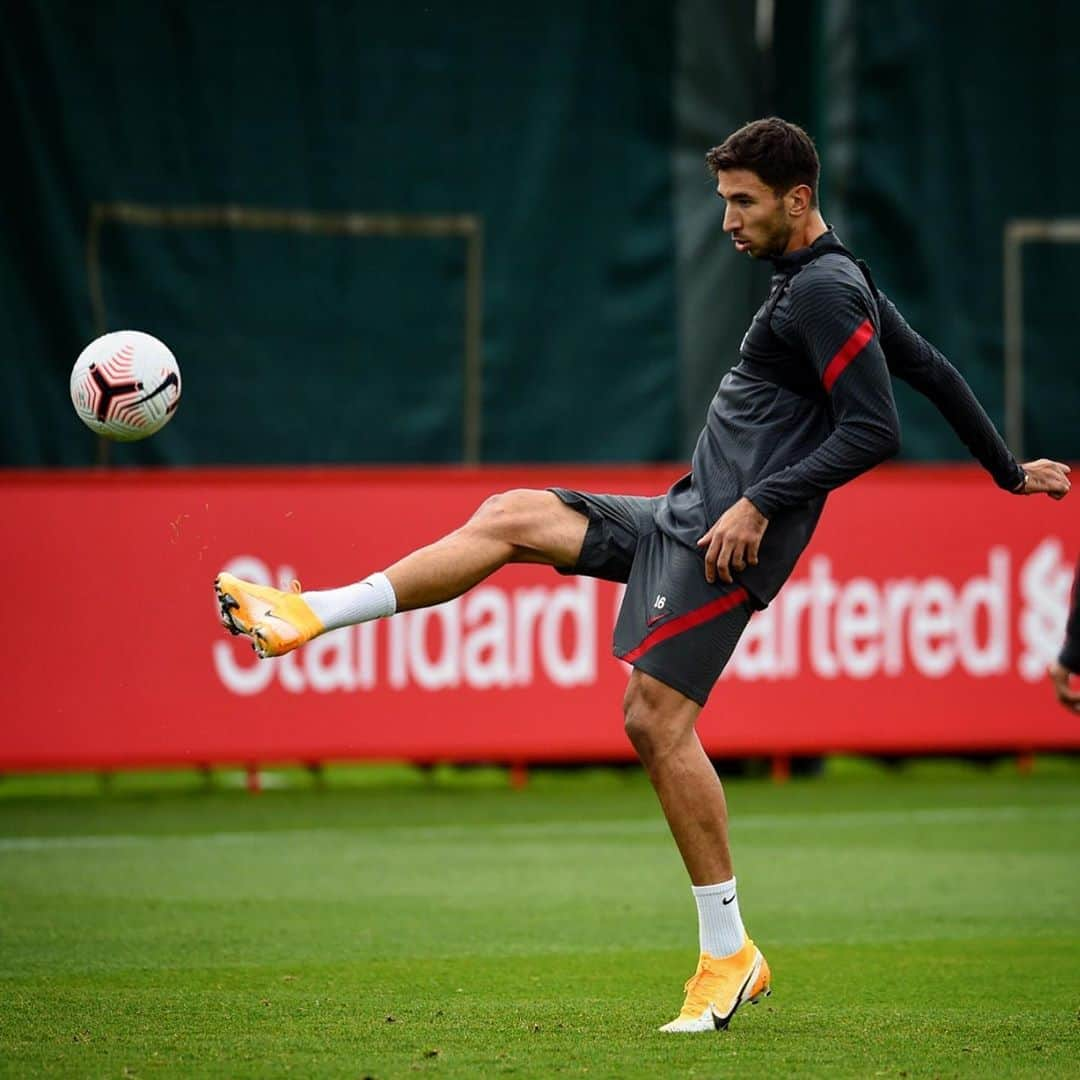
(938, 123)
(611, 304)
(553, 125)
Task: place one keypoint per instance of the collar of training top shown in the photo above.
(796, 260)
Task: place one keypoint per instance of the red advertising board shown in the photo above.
(921, 618)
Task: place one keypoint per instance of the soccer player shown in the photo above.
(1068, 662)
(808, 407)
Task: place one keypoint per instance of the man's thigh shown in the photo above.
(541, 526)
(675, 625)
(615, 526)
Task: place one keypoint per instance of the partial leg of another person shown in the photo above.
(517, 526)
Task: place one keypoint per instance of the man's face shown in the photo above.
(754, 215)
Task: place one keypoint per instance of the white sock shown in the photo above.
(720, 927)
(372, 598)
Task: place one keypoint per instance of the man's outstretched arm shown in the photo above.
(912, 358)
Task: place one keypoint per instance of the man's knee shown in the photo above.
(509, 516)
(657, 718)
(538, 526)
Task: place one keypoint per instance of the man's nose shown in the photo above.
(731, 220)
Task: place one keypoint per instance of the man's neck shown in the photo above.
(804, 236)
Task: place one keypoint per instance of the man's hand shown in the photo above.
(733, 542)
(1045, 477)
(1059, 676)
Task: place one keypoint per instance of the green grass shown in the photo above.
(924, 922)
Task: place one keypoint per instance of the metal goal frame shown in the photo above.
(1018, 232)
(468, 227)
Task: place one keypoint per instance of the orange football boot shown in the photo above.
(719, 986)
(277, 622)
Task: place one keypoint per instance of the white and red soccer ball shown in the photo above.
(125, 385)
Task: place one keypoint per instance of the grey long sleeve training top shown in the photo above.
(809, 407)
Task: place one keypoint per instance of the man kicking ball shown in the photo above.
(808, 407)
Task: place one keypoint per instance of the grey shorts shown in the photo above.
(673, 624)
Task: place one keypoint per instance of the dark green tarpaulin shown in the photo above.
(572, 134)
(553, 125)
(937, 124)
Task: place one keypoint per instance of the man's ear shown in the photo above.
(797, 200)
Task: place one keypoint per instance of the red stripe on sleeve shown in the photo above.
(848, 351)
(686, 622)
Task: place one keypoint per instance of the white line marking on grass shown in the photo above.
(946, 815)
(957, 815)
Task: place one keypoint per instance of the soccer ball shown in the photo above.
(125, 385)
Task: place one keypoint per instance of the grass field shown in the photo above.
(924, 922)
